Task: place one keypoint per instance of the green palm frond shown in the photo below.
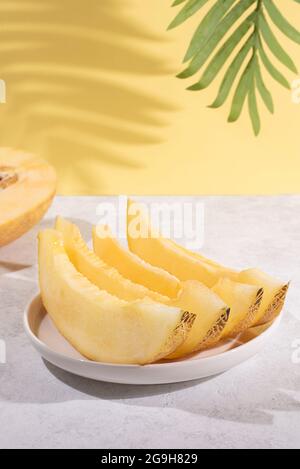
(246, 26)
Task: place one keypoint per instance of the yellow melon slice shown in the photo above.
(202, 258)
(100, 326)
(194, 297)
(131, 266)
(275, 293)
(211, 317)
(27, 187)
(185, 265)
(97, 271)
(210, 311)
(244, 301)
(167, 255)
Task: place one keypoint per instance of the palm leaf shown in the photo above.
(188, 10)
(241, 92)
(280, 21)
(227, 22)
(231, 74)
(178, 2)
(263, 90)
(222, 55)
(208, 26)
(252, 105)
(271, 40)
(220, 33)
(273, 71)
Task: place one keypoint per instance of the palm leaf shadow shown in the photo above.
(75, 76)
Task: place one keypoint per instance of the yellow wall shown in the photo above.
(91, 86)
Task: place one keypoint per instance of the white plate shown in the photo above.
(55, 349)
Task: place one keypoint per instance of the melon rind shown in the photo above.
(24, 203)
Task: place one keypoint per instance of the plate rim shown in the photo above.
(43, 346)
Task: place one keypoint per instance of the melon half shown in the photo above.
(100, 326)
(27, 187)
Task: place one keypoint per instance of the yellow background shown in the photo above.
(91, 87)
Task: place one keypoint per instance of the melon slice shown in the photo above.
(274, 297)
(244, 301)
(131, 266)
(166, 254)
(210, 311)
(185, 265)
(27, 187)
(197, 255)
(211, 317)
(100, 326)
(97, 271)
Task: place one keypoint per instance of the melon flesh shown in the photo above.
(210, 311)
(100, 326)
(187, 265)
(211, 317)
(167, 255)
(274, 296)
(244, 301)
(202, 258)
(27, 187)
(132, 267)
(97, 271)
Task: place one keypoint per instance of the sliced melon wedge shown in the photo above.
(187, 265)
(244, 301)
(211, 317)
(27, 187)
(97, 271)
(100, 326)
(274, 297)
(200, 257)
(167, 255)
(132, 267)
(210, 311)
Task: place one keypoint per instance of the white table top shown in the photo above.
(255, 405)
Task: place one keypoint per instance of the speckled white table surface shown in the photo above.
(256, 405)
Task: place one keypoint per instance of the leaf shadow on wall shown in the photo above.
(75, 74)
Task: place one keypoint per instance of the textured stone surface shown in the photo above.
(255, 405)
